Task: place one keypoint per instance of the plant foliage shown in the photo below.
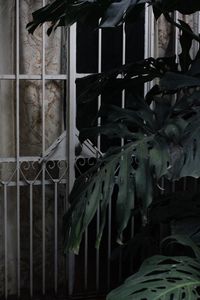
(162, 278)
(161, 136)
(161, 140)
(112, 13)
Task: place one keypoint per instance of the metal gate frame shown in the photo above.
(17, 77)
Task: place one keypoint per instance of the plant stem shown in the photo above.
(171, 21)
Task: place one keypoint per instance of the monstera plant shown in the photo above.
(160, 132)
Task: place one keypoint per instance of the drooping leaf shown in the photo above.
(162, 278)
(130, 170)
(126, 194)
(144, 184)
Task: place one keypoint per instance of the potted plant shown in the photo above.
(161, 140)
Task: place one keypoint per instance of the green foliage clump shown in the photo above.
(161, 140)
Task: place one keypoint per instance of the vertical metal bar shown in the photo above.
(146, 41)
(198, 32)
(146, 32)
(149, 40)
(86, 260)
(176, 46)
(163, 227)
(152, 32)
(17, 148)
(156, 38)
(99, 147)
(198, 49)
(123, 60)
(176, 35)
(195, 46)
(6, 241)
(132, 235)
(109, 241)
(56, 237)
(132, 219)
(123, 106)
(71, 117)
(31, 238)
(43, 164)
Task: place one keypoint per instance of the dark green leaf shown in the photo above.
(116, 168)
(162, 278)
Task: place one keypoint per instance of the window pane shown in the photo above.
(87, 48)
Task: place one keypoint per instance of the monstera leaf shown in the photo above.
(132, 168)
(159, 142)
(162, 278)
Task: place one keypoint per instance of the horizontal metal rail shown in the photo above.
(40, 77)
(36, 182)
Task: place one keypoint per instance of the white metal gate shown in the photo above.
(34, 184)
